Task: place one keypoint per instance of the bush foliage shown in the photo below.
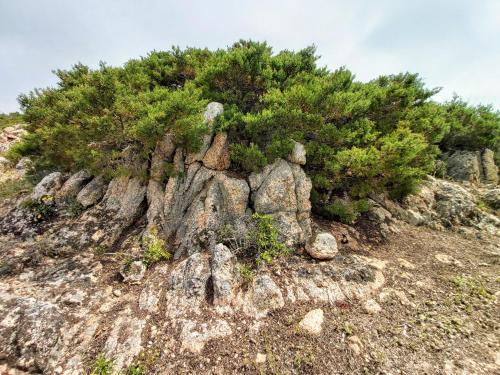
(379, 136)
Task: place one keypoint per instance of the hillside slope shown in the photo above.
(395, 297)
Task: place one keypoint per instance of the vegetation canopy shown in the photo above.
(379, 136)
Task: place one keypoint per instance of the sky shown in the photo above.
(453, 44)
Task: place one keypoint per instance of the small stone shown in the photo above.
(24, 163)
(260, 358)
(372, 307)
(406, 264)
(323, 247)
(312, 322)
(134, 272)
(447, 259)
(298, 155)
(355, 344)
(117, 293)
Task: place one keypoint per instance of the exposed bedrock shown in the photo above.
(187, 198)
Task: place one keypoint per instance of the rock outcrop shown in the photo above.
(11, 135)
(444, 204)
(187, 205)
(472, 166)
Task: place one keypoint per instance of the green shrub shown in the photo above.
(9, 119)
(247, 159)
(155, 250)
(102, 366)
(361, 137)
(345, 211)
(265, 237)
(246, 273)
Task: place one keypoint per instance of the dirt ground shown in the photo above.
(439, 315)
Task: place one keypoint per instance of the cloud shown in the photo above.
(450, 43)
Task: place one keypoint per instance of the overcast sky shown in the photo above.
(454, 44)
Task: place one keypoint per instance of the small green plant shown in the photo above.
(136, 369)
(470, 291)
(74, 207)
(348, 329)
(102, 366)
(246, 273)
(482, 205)
(100, 250)
(265, 236)
(42, 210)
(155, 249)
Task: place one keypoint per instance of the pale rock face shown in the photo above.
(194, 335)
(489, 168)
(298, 155)
(323, 246)
(92, 192)
(213, 110)
(282, 190)
(473, 166)
(224, 274)
(267, 295)
(11, 135)
(35, 324)
(124, 342)
(464, 166)
(49, 185)
(492, 198)
(217, 157)
(73, 185)
(277, 191)
(201, 201)
(312, 322)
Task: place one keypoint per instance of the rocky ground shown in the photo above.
(412, 288)
(436, 313)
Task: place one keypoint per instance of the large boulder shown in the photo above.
(298, 155)
(92, 192)
(472, 166)
(282, 190)
(489, 168)
(73, 185)
(48, 186)
(323, 246)
(464, 166)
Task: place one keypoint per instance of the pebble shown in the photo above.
(260, 358)
(117, 293)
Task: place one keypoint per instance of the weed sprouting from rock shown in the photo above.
(155, 249)
(102, 366)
